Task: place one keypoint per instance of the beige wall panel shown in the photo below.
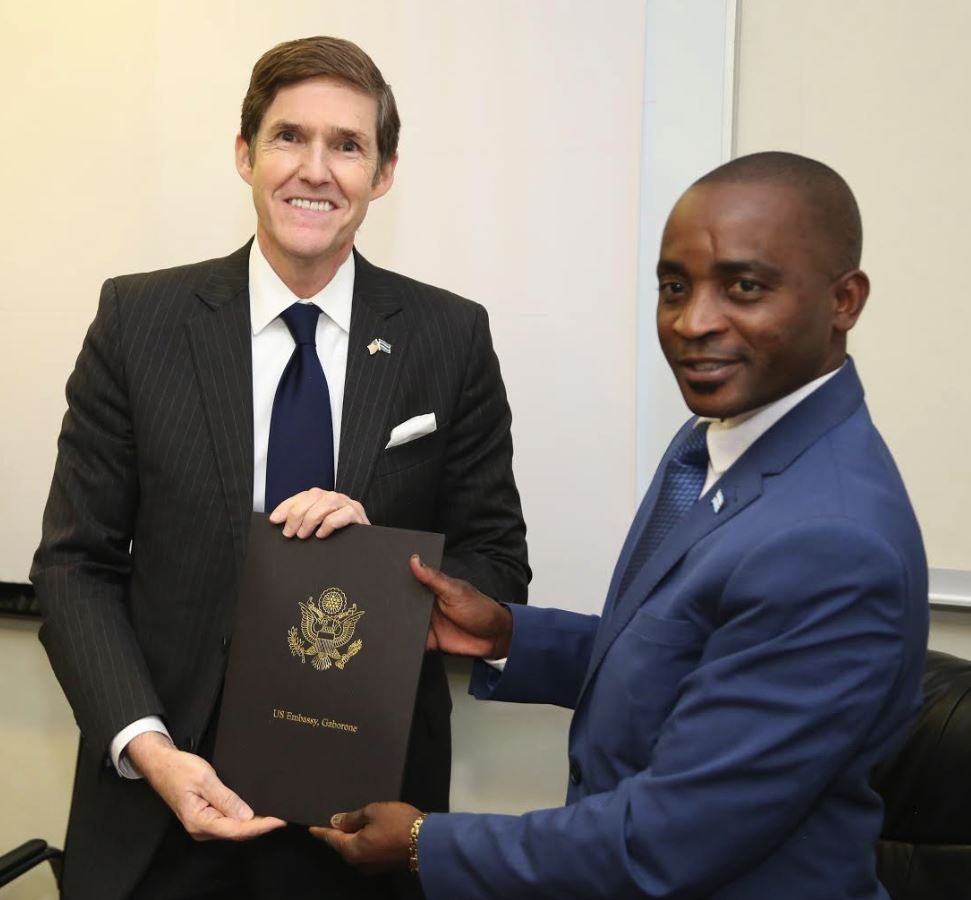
(37, 749)
(951, 632)
(880, 89)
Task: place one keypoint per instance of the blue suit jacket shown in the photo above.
(731, 702)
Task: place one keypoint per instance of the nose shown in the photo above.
(315, 164)
(700, 315)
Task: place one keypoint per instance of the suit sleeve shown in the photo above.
(547, 660)
(804, 661)
(478, 504)
(82, 568)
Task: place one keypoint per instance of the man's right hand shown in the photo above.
(318, 512)
(189, 785)
(464, 621)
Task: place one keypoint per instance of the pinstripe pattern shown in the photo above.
(156, 454)
(458, 480)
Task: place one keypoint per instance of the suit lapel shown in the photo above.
(221, 342)
(741, 485)
(738, 491)
(641, 519)
(370, 383)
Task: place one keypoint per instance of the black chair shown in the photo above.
(28, 855)
(924, 852)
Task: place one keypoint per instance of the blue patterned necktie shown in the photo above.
(300, 451)
(684, 478)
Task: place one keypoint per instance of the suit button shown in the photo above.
(190, 743)
(226, 641)
(576, 773)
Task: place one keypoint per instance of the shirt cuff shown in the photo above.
(119, 758)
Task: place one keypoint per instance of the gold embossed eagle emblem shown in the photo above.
(326, 627)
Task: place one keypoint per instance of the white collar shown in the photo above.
(269, 296)
(728, 439)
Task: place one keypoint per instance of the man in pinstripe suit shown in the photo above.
(162, 456)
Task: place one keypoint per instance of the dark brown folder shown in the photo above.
(323, 669)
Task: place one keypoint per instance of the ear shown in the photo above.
(243, 164)
(384, 178)
(850, 292)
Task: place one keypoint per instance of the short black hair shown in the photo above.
(827, 195)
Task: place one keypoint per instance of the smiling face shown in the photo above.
(313, 168)
(747, 309)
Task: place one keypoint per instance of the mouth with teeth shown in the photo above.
(707, 374)
(312, 205)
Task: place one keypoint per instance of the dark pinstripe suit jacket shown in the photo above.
(146, 522)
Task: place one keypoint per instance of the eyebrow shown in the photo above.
(670, 267)
(724, 267)
(748, 266)
(335, 132)
(283, 125)
(351, 134)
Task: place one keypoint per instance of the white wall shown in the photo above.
(517, 186)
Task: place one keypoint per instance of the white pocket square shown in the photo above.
(416, 427)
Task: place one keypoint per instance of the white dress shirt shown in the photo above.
(272, 347)
(728, 439)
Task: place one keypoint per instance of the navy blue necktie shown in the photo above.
(300, 452)
(684, 478)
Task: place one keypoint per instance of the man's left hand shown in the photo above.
(375, 838)
(317, 512)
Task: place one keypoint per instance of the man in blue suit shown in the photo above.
(761, 643)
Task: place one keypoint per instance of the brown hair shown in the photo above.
(317, 57)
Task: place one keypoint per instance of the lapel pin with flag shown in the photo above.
(718, 501)
(378, 344)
